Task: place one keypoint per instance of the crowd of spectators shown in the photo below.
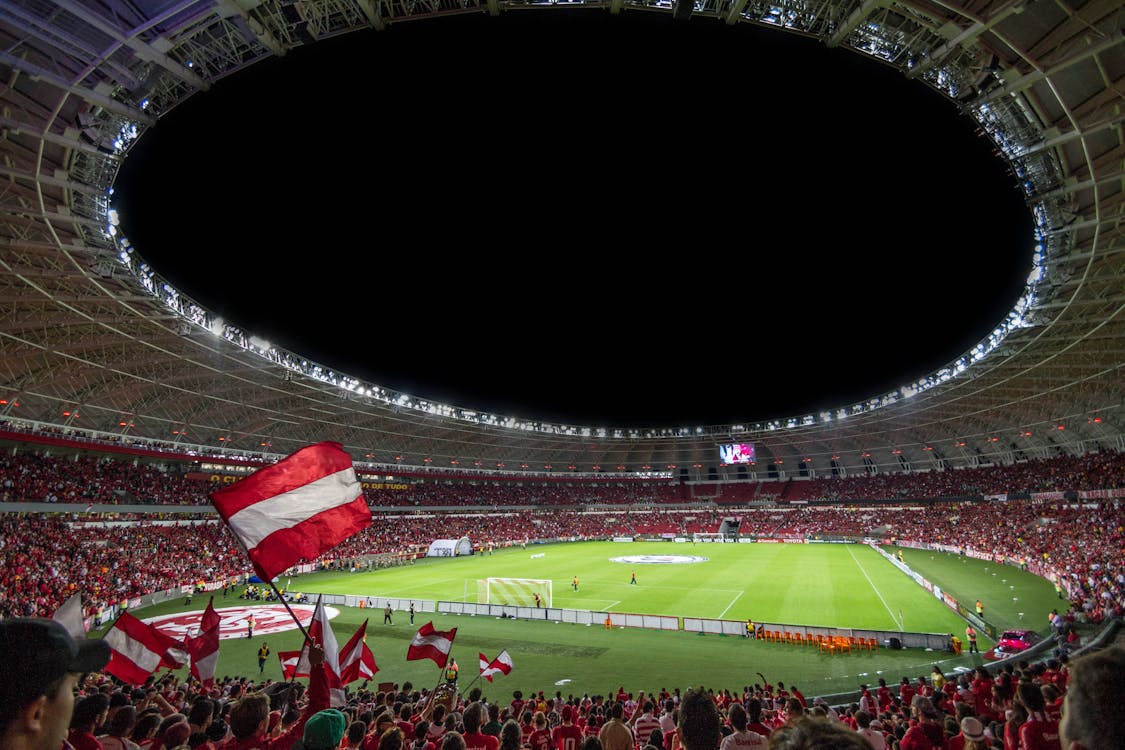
(1019, 707)
(27, 476)
(44, 558)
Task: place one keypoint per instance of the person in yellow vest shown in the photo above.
(263, 652)
(250, 626)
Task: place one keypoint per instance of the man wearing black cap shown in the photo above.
(43, 666)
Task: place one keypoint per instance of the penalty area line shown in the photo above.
(735, 599)
(877, 592)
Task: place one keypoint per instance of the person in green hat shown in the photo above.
(324, 730)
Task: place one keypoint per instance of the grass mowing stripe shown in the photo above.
(884, 601)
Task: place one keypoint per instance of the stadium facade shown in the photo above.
(96, 343)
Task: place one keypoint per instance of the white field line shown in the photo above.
(730, 605)
(869, 581)
(606, 607)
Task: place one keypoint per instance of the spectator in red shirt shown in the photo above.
(906, 692)
(1038, 732)
(927, 732)
(250, 716)
(472, 719)
(89, 713)
(567, 736)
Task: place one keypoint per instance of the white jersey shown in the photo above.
(744, 740)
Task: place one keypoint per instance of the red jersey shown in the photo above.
(540, 739)
(566, 737)
(1040, 733)
(478, 741)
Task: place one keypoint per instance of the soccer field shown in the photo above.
(839, 585)
(801, 584)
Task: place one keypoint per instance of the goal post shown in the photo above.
(516, 591)
(701, 536)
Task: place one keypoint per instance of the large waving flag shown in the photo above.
(69, 615)
(502, 664)
(367, 665)
(138, 649)
(320, 633)
(204, 648)
(290, 662)
(297, 509)
(431, 644)
(356, 660)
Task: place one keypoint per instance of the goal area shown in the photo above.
(515, 591)
(700, 536)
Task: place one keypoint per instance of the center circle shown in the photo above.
(658, 559)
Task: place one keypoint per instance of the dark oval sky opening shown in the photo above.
(584, 218)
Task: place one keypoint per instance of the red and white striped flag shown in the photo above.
(367, 665)
(204, 648)
(502, 664)
(431, 644)
(320, 633)
(356, 660)
(289, 664)
(297, 509)
(138, 649)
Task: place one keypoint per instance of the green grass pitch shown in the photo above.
(814, 584)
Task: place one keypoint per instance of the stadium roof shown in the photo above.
(93, 339)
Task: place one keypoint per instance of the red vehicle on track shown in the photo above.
(1015, 641)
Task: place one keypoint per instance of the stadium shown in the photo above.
(857, 542)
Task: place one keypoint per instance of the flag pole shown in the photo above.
(290, 610)
(472, 683)
(441, 672)
(269, 580)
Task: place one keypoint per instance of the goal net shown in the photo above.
(700, 536)
(515, 591)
